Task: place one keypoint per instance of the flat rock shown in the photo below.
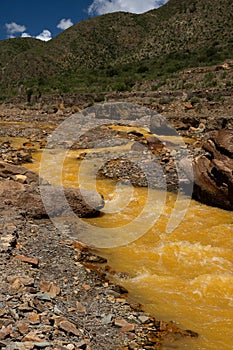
(66, 325)
(29, 260)
(20, 346)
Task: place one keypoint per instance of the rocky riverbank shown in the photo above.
(56, 293)
(149, 161)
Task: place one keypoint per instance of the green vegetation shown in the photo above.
(116, 51)
(215, 98)
(194, 100)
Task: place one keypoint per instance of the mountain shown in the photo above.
(118, 50)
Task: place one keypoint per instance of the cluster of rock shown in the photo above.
(40, 317)
(15, 156)
(149, 164)
(147, 173)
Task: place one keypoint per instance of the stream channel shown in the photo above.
(185, 276)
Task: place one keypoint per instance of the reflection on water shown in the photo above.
(185, 276)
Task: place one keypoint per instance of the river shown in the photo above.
(185, 276)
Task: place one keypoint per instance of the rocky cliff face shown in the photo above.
(213, 171)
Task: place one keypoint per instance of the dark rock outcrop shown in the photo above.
(20, 188)
(213, 171)
(10, 172)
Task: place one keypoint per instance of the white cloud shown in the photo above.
(100, 7)
(64, 23)
(14, 28)
(25, 35)
(45, 35)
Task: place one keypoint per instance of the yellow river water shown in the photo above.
(185, 276)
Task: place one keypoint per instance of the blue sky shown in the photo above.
(45, 19)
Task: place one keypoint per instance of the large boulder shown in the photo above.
(19, 188)
(213, 171)
(59, 200)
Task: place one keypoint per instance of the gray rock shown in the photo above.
(161, 126)
(41, 345)
(45, 200)
(107, 319)
(42, 296)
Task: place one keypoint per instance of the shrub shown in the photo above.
(142, 69)
(229, 83)
(215, 98)
(195, 99)
(165, 100)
